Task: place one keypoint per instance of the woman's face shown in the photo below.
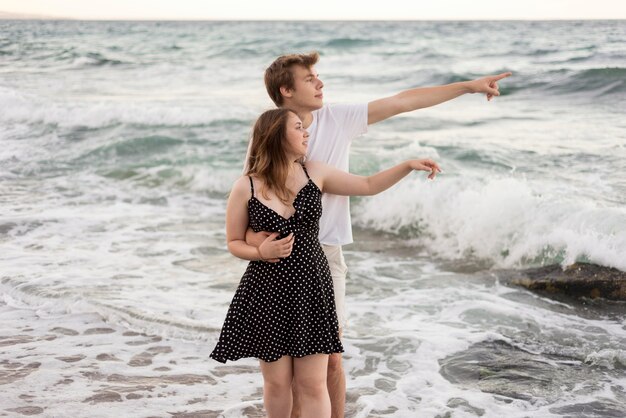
(297, 136)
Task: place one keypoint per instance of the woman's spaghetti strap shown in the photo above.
(251, 186)
(305, 172)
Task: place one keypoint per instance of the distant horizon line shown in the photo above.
(80, 19)
(33, 16)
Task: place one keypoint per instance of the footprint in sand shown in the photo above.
(92, 331)
(145, 358)
(104, 396)
(205, 413)
(106, 357)
(153, 339)
(27, 410)
(16, 371)
(64, 331)
(71, 359)
(23, 339)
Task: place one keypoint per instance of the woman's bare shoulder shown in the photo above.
(316, 165)
(241, 187)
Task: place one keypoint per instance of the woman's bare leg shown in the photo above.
(309, 374)
(295, 408)
(336, 382)
(277, 377)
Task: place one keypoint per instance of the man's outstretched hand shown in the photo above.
(487, 85)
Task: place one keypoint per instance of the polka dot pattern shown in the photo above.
(284, 308)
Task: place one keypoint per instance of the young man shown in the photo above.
(292, 82)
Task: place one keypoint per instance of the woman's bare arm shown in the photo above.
(335, 181)
(237, 224)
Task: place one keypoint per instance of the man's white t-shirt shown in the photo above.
(330, 136)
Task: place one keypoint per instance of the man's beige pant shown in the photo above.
(338, 271)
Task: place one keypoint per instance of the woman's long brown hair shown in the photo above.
(267, 159)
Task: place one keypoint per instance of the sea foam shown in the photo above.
(503, 220)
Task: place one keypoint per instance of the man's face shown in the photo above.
(307, 91)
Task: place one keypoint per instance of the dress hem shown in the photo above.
(225, 359)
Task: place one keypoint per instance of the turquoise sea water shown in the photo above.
(120, 140)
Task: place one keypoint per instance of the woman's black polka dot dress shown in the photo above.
(284, 308)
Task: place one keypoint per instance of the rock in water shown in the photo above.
(579, 279)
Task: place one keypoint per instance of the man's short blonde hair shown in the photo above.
(279, 73)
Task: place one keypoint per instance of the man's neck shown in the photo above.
(307, 119)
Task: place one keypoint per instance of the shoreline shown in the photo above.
(78, 365)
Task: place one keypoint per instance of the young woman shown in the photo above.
(283, 311)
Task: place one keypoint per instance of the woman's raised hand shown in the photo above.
(273, 249)
(426, 165)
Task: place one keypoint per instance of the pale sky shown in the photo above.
(320, 9)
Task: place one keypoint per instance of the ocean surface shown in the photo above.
(119, 142)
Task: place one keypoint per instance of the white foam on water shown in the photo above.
(107, 247)
(201, 179)
(607, 358)
(30, 108)
(148, 252)
(506, 220)
(400, 331)
(45, 344)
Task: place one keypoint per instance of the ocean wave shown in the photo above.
(237, 51)
(608, 358)
(349, 42)
(94, 59)
(542, 51)
(194, 178)
(68, 57)
(601, 81)
(78, 59)
(580, 58)
(30, 108)
(48, 302)
(142, 146)
(509, 86)
(501, 220)
(607, 80)
(598, 81)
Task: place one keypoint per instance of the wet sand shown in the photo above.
(78, 365)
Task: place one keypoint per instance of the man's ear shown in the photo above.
(286, 92)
